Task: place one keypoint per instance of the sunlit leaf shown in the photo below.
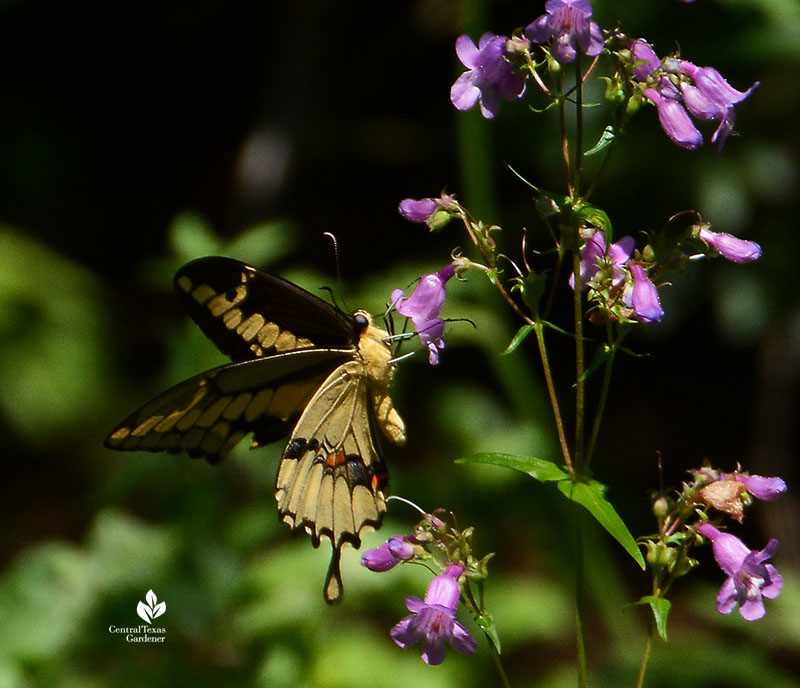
(540, 469)
(591, 496)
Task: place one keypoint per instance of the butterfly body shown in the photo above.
(299, 363)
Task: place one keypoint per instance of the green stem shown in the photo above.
(562, 124)
(580, 368)
(601, 404)
(580, 605)
(551, 390)
(646, 655)
(499, 664)
(576, 172)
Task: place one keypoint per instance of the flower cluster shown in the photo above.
(432, 622)
(679, 88)
(614, 275)
(617, 278)
(686, 516)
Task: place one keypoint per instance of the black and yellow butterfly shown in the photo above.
(298, 362)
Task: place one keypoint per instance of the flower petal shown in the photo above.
(462, 640)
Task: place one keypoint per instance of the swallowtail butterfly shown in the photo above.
(300, 365)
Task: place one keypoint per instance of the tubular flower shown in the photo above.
(749, 577)
(594, 252)
(489, 77)
(567, 27)
(642, 296)
(424, 306)
(394, 551)
(433, 622)
(730, 247)
(678, 88)
(762, 488)
(434, 212)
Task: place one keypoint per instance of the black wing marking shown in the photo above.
(249, 313)
(210, 413)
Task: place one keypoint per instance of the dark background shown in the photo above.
(136, 137)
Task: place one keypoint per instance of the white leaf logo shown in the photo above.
(152, 609)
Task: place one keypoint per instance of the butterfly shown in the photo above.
(300, 366)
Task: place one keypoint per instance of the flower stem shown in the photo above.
(579, 355)
(646, 656)
(499, 664)
(601, 404)
(580, 604)
(551, 390)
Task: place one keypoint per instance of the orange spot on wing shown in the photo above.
(337, 459)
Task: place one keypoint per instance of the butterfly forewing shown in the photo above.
(248, 313)
(209, 413)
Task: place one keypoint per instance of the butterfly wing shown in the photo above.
(249, 313)
(208, 414)
(331, 478)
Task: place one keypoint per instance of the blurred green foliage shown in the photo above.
(89, 330)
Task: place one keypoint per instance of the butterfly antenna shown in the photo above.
(335, 243)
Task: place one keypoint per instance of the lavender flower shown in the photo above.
(490, 76)
(749, 578)
(674, 119)
(730, 247)
(394, 551)
(433, 622)
(424, 306)
(678, 87)
(711, 98)
(594, 252)
(763, 488)
(434, 212)
(418, 210)
(642, 296)
(566, 26)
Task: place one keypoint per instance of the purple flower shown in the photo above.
(712, 98)
(678, 87)
(395, 550)
(642, 296)
(424, 306)
(761, 487)
(418, 210)
(644, 54)
(567, 27)
(490, 76)
(730, 247)
(594, 252)
(434, 212)
(675, 121)
(749, 578)
(433, 622)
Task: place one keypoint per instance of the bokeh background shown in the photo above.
(136, 137)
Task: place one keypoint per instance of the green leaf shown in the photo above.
(660, 607)
(540, 469)
(591, 496)
(522, 334)
(595, 216)
(487, 625)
